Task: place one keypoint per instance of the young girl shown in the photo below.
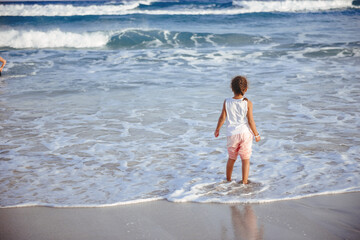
(241, 128)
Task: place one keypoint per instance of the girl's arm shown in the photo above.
(3, 61)
(251, 121)
(221, 121)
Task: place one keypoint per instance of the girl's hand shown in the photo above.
(216, 133)
(257, 138)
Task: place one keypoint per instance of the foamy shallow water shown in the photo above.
(96, 127)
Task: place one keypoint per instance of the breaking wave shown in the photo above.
(126, 39)
(172, 8)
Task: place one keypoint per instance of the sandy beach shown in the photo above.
(321, 217)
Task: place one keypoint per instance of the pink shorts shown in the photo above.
(240, 144)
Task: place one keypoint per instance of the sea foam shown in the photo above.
(292, 5)
(52, 39)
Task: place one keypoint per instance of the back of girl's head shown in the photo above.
(239, 84)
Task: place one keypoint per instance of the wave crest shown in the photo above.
(167, 8)
(293, 5)
(126, 39)
(52, 39)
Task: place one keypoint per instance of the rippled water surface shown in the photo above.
(128, 114)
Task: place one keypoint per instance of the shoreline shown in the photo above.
(144, 201)
(334, 216)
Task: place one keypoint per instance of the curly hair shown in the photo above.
(239, 84)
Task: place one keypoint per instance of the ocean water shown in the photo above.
(116, 102)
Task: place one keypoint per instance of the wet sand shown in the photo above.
(322, 217)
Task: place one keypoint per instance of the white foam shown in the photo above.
(268, 200)
(52, 39)
(185, 200)
(69, 10)
(293, 5)
(234, 192)
(137, 201)
(243, 7)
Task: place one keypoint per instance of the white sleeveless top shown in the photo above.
(236, 112)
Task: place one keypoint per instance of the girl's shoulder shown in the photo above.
(227, 100)
(249, 103)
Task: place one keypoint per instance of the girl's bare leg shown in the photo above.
(229, 168)
(245, 170)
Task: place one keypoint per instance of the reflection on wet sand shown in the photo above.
(245, 223)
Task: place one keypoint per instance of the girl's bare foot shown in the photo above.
(247, 182)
